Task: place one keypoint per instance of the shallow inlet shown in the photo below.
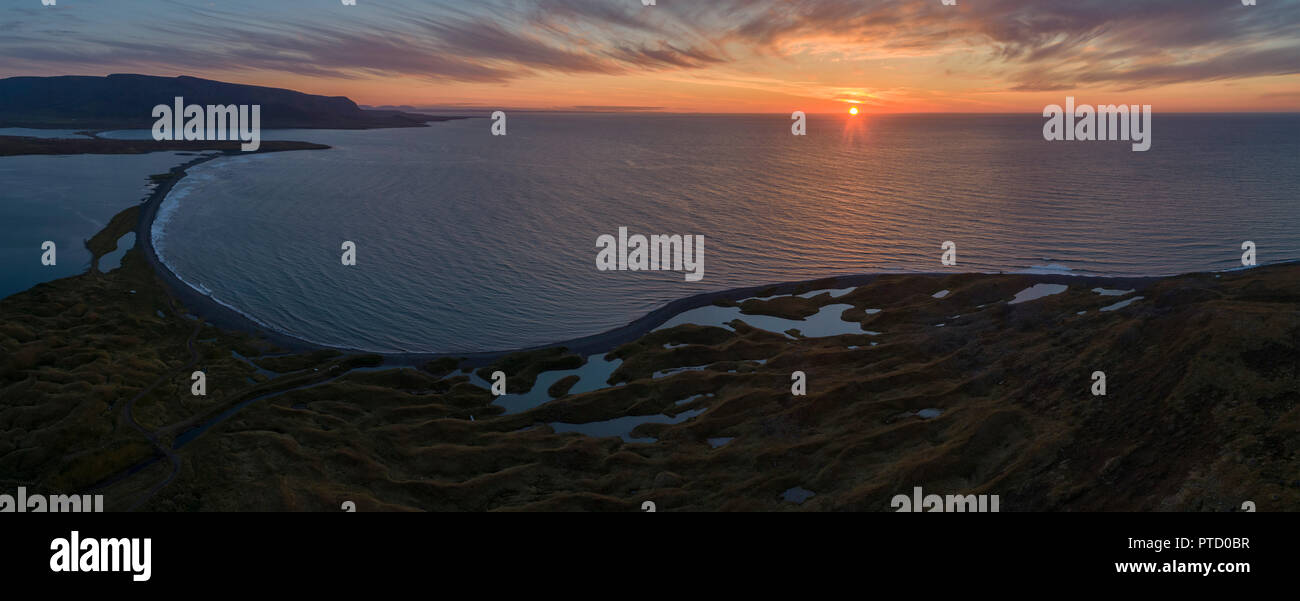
(825, 323)
(623, 426)
(593, 375)
(1036, 292)
(1121, 304)
(65, 199)
(797, 495)
(113, 260)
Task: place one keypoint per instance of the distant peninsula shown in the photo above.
(22, 145)
(124, 101)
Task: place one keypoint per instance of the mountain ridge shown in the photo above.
(126, 101)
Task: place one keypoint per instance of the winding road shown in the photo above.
(129, 416)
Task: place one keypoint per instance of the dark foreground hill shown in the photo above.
(127, 101)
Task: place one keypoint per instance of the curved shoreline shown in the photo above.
(218, 314)
(196, 302)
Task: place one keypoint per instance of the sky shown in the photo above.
(710, 56)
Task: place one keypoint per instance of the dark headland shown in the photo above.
(23, 145)
(96, 104)
(124, 101)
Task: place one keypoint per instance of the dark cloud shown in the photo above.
(1043, 44)
(1033, 44)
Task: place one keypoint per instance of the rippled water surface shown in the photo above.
(471, 242)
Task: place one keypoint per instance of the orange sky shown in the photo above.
(718, 56)
(725, 91)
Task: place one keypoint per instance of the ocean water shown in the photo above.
(66, 200)
(472, 242)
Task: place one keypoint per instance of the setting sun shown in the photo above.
(853, 110)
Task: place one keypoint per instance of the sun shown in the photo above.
(853, 110)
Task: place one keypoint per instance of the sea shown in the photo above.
(467, 241)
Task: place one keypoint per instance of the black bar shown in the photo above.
(317, 551)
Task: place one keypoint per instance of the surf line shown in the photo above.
(651, 253)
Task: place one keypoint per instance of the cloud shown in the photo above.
(476, 46)
(1028, 44)
(1037, 43)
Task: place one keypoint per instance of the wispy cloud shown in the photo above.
(1022, 45)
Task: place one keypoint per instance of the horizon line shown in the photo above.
(770, 113)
